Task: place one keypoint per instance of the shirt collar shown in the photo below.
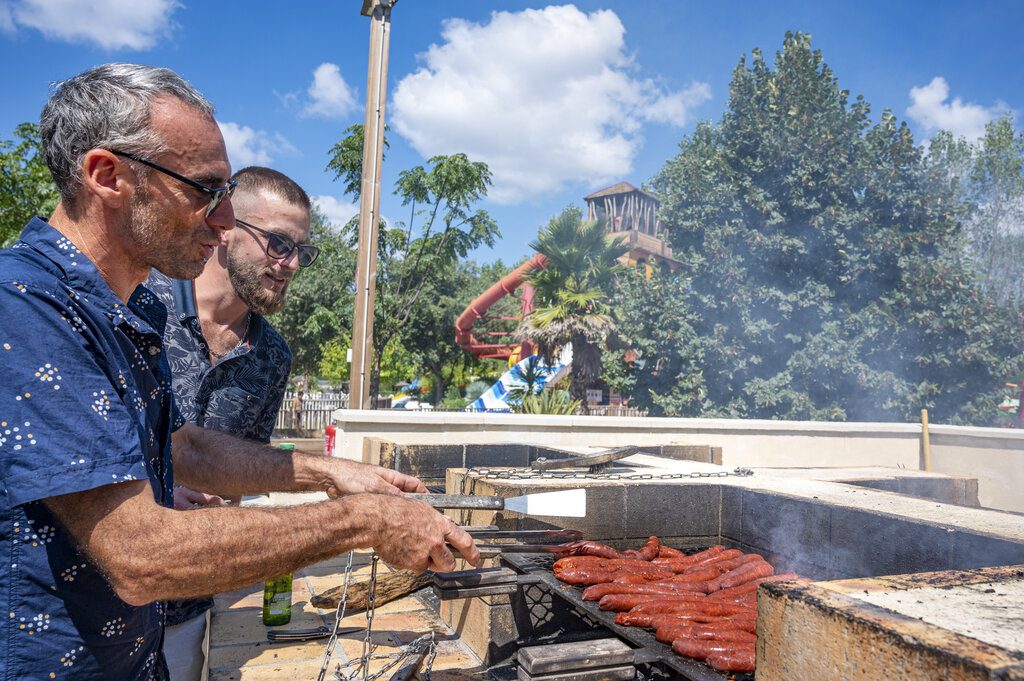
(184, 298)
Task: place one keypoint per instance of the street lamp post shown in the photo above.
(379, 12)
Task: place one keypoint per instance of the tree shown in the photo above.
(429, 334)
(827, 279)
(26, 188)
(988, 178)
(572, 294)
(442, 228)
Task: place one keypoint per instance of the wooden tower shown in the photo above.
(633, 213)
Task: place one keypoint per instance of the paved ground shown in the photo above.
(239, 650)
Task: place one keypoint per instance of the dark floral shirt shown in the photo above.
(85, 401)
(240, 394)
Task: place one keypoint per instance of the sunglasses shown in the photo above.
(281, 247)
(216, 194)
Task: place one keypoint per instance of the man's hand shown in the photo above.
(414, 536)
(351, 477)
(186, 499)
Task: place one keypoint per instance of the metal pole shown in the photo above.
(379, 12)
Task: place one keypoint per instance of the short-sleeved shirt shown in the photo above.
(241, 394)
(85, 401)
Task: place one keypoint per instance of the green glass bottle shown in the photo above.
(277, 600)
(277, 592)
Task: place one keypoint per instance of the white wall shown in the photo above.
(994, 456)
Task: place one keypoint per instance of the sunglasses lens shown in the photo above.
(307, 255)
(278, 247)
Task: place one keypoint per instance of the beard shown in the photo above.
(153, 237)
(247, 280)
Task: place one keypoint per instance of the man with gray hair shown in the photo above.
(90, 441)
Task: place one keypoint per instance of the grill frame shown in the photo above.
(649, 650)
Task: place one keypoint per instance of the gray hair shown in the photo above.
(107, 107)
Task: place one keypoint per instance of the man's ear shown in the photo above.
(106, 177)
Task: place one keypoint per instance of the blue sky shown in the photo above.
(559, 100)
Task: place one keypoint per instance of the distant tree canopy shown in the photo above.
(26, 188)
(826, 277)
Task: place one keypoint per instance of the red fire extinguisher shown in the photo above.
(329, 432)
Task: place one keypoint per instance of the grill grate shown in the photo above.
(649, 649)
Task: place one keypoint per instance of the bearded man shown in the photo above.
(229, 365)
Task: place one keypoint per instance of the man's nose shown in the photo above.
(223, 216)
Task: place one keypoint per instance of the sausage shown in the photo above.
(751, 586)
(669, 552)
(723, 566)
(700, 573)
(740, 575)
(670, 632)
(737, 660)
(683, 566)
(648, 552)
(740, 622)
(675, 604)
(592, 548)
(692, 559)
(598, 575)
(621, 602)
(598, 591)
(596, 562)
(700, 649)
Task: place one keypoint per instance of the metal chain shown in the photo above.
(339, 614)
(530, 474)
(371, 607)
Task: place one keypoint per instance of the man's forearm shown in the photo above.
(221, 463)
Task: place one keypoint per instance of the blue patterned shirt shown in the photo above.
(241, 394)
(85, 401)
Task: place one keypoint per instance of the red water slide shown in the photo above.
(475, 321)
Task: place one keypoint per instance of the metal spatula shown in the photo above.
(570, 503)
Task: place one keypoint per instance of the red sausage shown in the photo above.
(649, 550)
(598, 591)
(700, 649)
(621, 602)
(669, 633)
(738, 660)
(740, 622)
(741, 575)
(751, 586)
(694, 558)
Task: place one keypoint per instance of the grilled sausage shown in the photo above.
(670, 632)
(751, 586)
(683, 566)
(666, 588)
(661, 605)
(648, 552)
(746, 623)
(723, 566)
(741, 575)
(737, 660)
(700, 649)
(691, 559)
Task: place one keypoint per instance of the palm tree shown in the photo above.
(572, 294)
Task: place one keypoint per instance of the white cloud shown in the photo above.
(111, 24)
(544, 97)
(248, 147)
(338, 211)
(930, 109)
(330, 95)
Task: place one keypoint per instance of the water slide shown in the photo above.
(476, 313)
(512, 381)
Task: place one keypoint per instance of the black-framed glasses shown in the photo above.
(281, 247)
(216, 194)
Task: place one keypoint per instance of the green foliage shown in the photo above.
(442, 228)
(826, 275)
(547, 402)
(475, 390)
(572, 293)
(347, 158)
(988, 179)
(26, 189)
